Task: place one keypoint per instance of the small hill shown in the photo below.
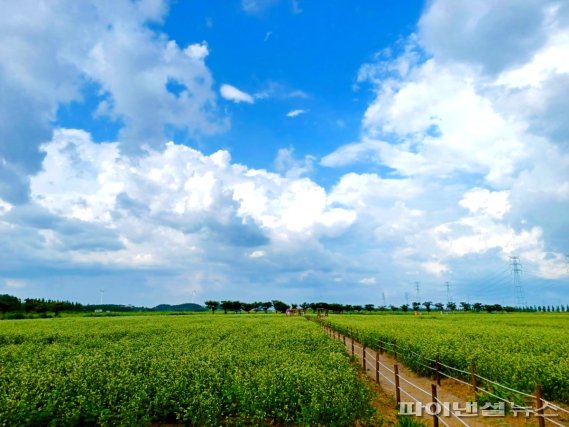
(179, 307)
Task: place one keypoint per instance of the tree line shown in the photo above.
(41, 306)
(427, 306)
(35, 306)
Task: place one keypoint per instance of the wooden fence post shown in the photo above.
(434, 398)
(397, 391)
(539, 405)
(438, 369)
(377, 367)
(364, 358)
(473, 376)
(380, 347)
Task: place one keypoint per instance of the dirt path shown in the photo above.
(414, 388)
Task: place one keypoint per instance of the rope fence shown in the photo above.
(372, 363)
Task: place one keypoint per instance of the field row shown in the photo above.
(518, 350)
(199, 370)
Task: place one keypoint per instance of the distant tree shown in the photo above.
(440, 306)
(226, 305)
(247, 307)
(294, 305)
(280, 306)
(31, 305)
(9, 303)
(236, 306)
(465, 306)
(304, 306)
(382, 308)
(451, 306)
(266, 305)
(348, 307)
(358, 308)
(477, 306)
(510, 309)
(416, 305)
(369, 307)
(212, 305)
(393, 308)
(428, 305)
(493, 307)
(336, 308)
(405, 308)
(57, 307)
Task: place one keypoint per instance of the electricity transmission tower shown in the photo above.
(418, 290)
(407, 298)
(101, 291)
(449, 296)
(516, 268)
(383, 297)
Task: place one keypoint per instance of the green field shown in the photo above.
(199, 370)
(518, 350)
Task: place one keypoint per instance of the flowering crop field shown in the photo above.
(517, 350)
(198, 370)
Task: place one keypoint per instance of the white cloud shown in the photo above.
(231, 93)
(368, 281)
(179, 205)
(276, 90)
(15, 283)
(295, 113)
(495, 204)
(364, 151)
(461, 125)
(257, 6)
(435, 267)
(5, 207)
(51, 52)
(257, 254)
(287, 164)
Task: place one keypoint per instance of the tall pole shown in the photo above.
(418, 290)
(449, 296)
(516, 268)
(383, 297)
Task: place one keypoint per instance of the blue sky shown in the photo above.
(258, 149)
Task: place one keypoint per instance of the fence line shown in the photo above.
(329, 325)
(341, 334)
(398, 388)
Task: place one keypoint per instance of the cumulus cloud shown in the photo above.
(231, 93)
(287, 164)
(468, 138)
(172, 208)
(50, 52)
(463, 153)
